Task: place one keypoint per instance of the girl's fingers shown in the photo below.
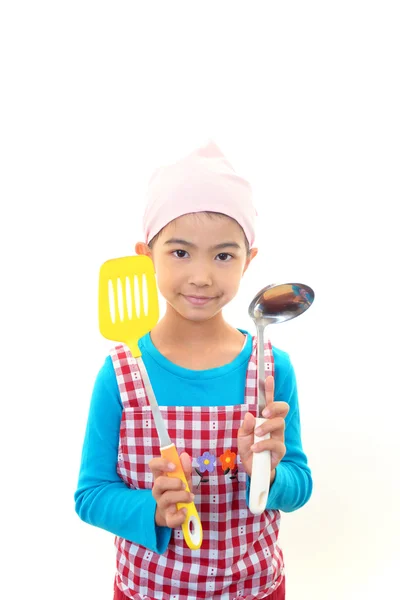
(271, 426)
(247, 426)
(276, 409)
(165, 484)
(277, 450)
(186, 463)
(159, 466)
(269, 389)
(169, 491)
(175, 518)
(274, 446)
(168, 500)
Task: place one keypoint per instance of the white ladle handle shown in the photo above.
(261, 469)
(260, 475)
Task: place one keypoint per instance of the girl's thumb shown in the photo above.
(186, 461)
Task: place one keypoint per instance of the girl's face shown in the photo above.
(199, 262)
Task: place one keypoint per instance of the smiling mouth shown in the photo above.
(198, 300)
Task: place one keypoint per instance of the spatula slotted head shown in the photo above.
(128, 300)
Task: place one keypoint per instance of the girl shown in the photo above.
(199, 232)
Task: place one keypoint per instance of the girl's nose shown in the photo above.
(200, 277)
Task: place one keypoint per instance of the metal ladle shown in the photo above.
(275, 303)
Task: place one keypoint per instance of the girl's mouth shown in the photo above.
(198, 300)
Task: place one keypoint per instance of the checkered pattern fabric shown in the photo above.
(240, 557)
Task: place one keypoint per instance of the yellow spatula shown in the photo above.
(128, 309)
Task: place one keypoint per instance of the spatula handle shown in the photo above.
(192, 528)
(260, 475)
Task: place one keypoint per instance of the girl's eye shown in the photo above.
(226, 257)
(179, 253)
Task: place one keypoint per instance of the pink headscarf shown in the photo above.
(202, 181)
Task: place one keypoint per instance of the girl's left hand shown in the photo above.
(275, 413)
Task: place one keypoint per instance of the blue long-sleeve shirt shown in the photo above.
(104, 500)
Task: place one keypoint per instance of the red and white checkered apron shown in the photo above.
(240, 557)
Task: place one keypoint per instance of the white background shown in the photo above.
(303, 98)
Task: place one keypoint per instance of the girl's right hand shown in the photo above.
(168, 491)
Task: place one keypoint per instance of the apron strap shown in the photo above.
(251, 377)
(129, 379)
